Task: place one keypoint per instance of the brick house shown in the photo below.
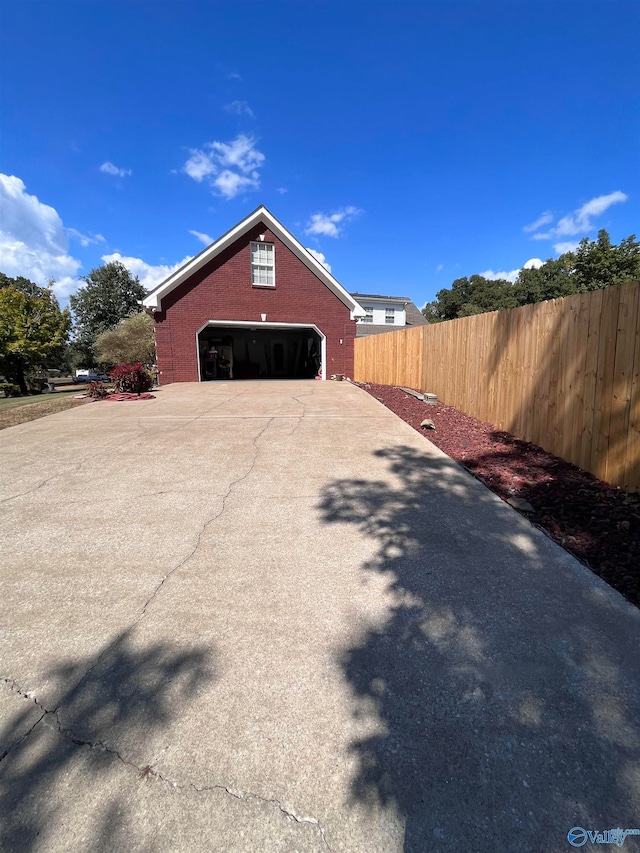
(255, 303)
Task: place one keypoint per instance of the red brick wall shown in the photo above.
(222, 290)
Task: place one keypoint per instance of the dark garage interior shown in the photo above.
(248, 353)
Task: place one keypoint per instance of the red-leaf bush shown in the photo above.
(131, 378)
(97, 390)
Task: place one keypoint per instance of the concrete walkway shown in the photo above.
(272, 617)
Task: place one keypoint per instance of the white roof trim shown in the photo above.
(153, 299)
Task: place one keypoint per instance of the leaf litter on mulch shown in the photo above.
(596, 522)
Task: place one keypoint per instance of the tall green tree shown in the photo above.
(110, 294)
(599, 263)
(595, 264)
(33, 331)
(553, 279)
(24, 285)
(472, 295)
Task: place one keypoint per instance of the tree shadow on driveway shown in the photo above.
(502, 689)
(51, 758)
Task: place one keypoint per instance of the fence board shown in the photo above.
(548, 383)
(564, 374)
(580, 331)
(622, 381)
(604, 380)
(632, 455)
(563, 430)
(590, 376)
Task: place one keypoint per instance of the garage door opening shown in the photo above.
(245, 351)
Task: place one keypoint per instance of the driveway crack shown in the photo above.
(193, 551)
(148, 771)
(40, 485)
(209, 521)
(13, 687)
(287, 811)
(93, 458)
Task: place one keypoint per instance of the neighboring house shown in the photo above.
(387, 314)
(255, 303)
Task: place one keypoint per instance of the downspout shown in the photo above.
(344, 351)
(150, 312)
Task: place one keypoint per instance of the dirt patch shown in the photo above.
(40, 409)
(597, 523)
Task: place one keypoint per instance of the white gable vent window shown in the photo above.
(263, 270)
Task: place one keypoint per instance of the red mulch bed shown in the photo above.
(597, 523)
(125, 396)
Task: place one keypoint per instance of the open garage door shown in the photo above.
(245, 350)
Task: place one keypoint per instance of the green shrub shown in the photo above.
(8, 389)
(36, 384)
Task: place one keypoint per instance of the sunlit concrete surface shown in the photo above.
(269, 616)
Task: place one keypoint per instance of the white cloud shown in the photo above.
(240, 153)
(229, 167)
(204, 238)
(512, 275)
(34, 244)
(533, 264)
(509, 276)
(440, 267)
(233, 75)
(85, 239)
(320, 258)
(33, 240)
(543, 219)
(331, 225)
(281, 190)
(199, 166)
(109, 169)
(230, 184)
(566, 246)
(148, 274)
(578, 222)
(240, 108)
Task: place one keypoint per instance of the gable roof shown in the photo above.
(153, 299)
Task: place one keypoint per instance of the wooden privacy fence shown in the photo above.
(564, 374)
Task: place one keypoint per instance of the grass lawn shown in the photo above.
(19, 410)
(11, 402)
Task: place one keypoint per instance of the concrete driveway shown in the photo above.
(272, 617)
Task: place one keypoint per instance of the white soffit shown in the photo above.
(154, 298)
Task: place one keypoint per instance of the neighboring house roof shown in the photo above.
(414, 316)
(391, 299)
(154, 298)
(364, 330)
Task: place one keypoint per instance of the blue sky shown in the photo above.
(408, 143)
